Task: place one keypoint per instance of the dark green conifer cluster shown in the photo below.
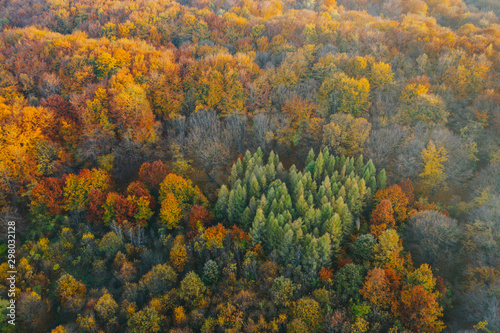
(301, 217)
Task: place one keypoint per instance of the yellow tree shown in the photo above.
(183, 190)
(170, 212)
(165, 87)
(97, 113)
(134, 115)
(342, 93)
(21, 129)
(387, 251)
(433, 175)
(178, 254)
(380, 75)
(217, 84)
(298, 112)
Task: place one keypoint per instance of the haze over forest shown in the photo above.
(250, 166)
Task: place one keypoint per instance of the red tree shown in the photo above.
(152, 174)
(49, 192)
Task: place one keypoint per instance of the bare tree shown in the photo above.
(433, 238)
(236, 125)
(383, 144)
(208, 142)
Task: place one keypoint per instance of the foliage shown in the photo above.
(119, 121)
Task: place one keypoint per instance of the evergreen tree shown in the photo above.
(381, 180)
(222, 202)
(258, 227)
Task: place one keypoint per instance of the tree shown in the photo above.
(208, 142)
(433, 175)
(106, 306)
(120, 210)
(171, 211)
(49, 192)
(160, 279)
(134, 116)
(422, 276)
(416, 105)
(258, 227)
(298, 113)
(297, 326)
(380, 75)
(199, 215)
(77, 187)
(146, 320)
(387, 251)
(346, 135)
(282, 291)
(362, 248)
(343, 94)
(376, 288)
(217, 84)
(215, 236)
(433, 238)
(139, 196)
(178, 254)
(211, 272)
(95, 206)
(348, 280)
(70, 292)
(165, 89)
(192, 289)
(33, 311)
(110, 244)
(418, 310)
(382, 217)
(395, 195)
(22, 128)
(309, 311)
(183, 190)
(152, 174)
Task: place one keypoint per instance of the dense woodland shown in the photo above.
(251, 166)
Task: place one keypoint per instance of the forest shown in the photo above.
(250, 166)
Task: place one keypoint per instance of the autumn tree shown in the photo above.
(106, 306)
(419, 310)
(134, 116)
(33, 311)
(433, 175)
(395, 195)
(78, 187)
(343, 94)
(387, 252)
(178, 254)
(282, 291)
(217, 84)
(376, 288)
(171, 211)
(49, 192)
(152, 174)
(146, 320)
(382, 217)
(192, 289)
(70, 292)
(177, 196)
(159, 279)
(298, 113)
(346, 135)
(22, 128)
(309, 311)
